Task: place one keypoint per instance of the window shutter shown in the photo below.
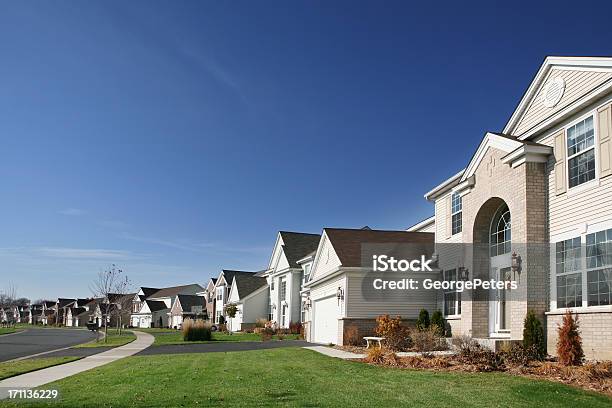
(448, 223)
(605, 140)
(560, 179)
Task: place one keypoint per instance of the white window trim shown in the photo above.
(575, 233)
(457, 301)
(591, 183)
(456, 212)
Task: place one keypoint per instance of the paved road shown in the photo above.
(34, 341)
(221, 346)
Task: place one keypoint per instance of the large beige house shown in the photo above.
(541, 189)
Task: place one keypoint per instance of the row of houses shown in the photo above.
(533, 204)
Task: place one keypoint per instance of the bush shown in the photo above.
(397, 337)
(428, 340)
(295, 327)
(422, 322)
(261, 322)
(266, 334)
(519, 355)
(351, 336)
(437, 321)
(483, 358)
(533, 337)
(196, 330)
(231, 310)
(569, 345)
(375, 355)
(221, 320)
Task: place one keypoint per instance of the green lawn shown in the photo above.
(298, 377)
(175, 337)
(113, 339)
(25, 366)
(7, 330)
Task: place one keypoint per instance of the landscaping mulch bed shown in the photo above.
(593, 376)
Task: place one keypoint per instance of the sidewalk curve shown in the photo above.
(41, 377)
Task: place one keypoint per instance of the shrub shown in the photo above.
(221, 320)
(231, 310)
(196, 330)
(295, 327)
(422, 322)
(428, 340)
(266, 334)
(351, 336)
(533, 337)
(261, 322)
(519, 355)
(375, 355)
(464, 342)
(482, 358)
(437, 321)
(397, 338)
(569, 345)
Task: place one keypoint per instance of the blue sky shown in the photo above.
(176, 138)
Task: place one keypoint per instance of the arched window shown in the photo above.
(501, 232)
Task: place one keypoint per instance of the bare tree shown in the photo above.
(110, 285)
(8, 299)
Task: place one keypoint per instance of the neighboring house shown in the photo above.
(74, 317)
(338, 295)
(250, 294)
(61, 307)
(184, 307)
(151, 314)
(140, 297)
(223, 286)
(48, 312)
(3, 316)
(541, 189)
(285, 275)
(427, 225)
(35, 313)
(209, 296)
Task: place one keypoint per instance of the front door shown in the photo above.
(499, 299)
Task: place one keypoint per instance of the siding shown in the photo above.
(577, 84)
(322, 265)
(569, 210)
(360, 305)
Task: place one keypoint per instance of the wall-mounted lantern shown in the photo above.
(308, 303)
(516, 265)
(340, 294)
(464, 273)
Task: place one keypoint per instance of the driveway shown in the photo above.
(34, 341)
(221, 346)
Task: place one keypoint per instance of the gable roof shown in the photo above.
(247, 284)
(550, 62)
(187, 302)
(63, 302)
(347, 242)
(175, 290)
(155, 305)
(296, 245)
(228, 275)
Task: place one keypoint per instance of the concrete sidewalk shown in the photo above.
(51, 374)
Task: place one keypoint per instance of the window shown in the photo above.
(272, 284)
(303, 311)
(456, 213)
(306, 274)
(501, 232)
(452, 298)
(284, 316)
(569, 283)
(599, 268)
(283, 290)
(581, 152)
(270, 312)
(218, 316)
(219, 294)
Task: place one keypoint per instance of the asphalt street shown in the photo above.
(34, 341)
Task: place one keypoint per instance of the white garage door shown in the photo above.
(326, 320)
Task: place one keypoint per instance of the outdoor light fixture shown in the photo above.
(340, 294)
(516, 264)
(464, 273)
(308, 303)
(434, 258)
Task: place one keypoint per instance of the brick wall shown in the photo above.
(595, 330)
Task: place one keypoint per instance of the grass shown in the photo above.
(298, 377)
(11, 369)
(176, 337)
(113, 339)
(7, 330)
